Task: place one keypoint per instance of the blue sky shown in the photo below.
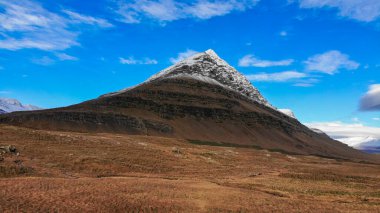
(319, 58)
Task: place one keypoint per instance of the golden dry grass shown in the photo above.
(76, 172)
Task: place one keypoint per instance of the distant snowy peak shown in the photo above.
(209, 67)
(11, 105)
(360, 141)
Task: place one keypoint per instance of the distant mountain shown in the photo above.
(12, 105)
(202, 100)
(367, 144)
(358, 136)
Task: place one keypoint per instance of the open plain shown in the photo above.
(101, 172)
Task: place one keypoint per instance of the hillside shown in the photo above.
(211, 108)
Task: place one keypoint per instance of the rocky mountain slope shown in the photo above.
(210, 68)
(201, 99)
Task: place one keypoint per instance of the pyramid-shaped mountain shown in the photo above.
(202, 99)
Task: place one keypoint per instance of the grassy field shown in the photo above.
(76, 172)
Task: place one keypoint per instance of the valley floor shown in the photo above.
(78, 172)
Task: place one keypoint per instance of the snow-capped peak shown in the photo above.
(12, 105)
(209, 67)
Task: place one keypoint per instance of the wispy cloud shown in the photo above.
(277, 77)
(84, 19)
(283, 33)
(27, 24)
(183, 55)
(303, 85)
(371, 100)
(308, 82)
(361, 10)
(252, 61)
(171, 10)
(47, 60)
(66, 57)
(131, 60)
(330, 62)
(44, 61)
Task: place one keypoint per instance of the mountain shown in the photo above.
(209, 68)
(358, 136)
(201, 99)
(365, 143)
(11, 105)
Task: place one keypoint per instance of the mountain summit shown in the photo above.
(201, 99)
(210, 68)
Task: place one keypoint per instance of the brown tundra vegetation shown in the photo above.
(101, 172)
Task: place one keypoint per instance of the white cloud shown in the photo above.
(330, 62)
(131, 60)
(45, 61)
(65, 57)
(170, 10)
(356, 135)
(252, 61)
(376, 119)
(277, 77)
(355, 119)
(84, 19)
(209, 9)
(309, 82)
(362, 10)
(26, 24)
(183, 55)
(303, 85)
(371, 100)
(283, 33)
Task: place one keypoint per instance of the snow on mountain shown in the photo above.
(209, 67)
(358, 142)
(365, 143)
(287, 112)
(11, 105)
